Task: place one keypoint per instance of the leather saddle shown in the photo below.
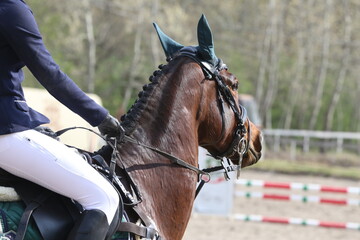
(53, 214)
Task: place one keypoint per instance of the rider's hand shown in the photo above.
(110, 127)
(47, 131)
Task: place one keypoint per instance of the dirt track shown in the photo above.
(210, 227)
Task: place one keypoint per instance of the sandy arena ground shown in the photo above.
(212, 227)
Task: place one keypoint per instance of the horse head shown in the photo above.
(224, 129)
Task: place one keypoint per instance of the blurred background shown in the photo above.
(297, 62)
(300, 59)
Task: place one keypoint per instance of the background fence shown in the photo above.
(293, 141)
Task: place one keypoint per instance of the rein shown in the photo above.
(172, 158)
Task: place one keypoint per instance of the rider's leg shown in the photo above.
(49, 163)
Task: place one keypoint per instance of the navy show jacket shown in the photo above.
(21, 45)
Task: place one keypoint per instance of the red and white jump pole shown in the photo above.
(298, 186)
(299, 198)
(297, 221)
(305, 199)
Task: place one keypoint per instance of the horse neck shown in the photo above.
(167, 122)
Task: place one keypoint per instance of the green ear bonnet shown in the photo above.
(204, 51)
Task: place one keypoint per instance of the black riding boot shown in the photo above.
(91, 225)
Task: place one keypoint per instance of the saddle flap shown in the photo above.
(54, 214)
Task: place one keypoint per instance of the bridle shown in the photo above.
(241, 139)
(240, 144)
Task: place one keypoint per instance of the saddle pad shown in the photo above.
(8, 194)
(10, 214)
(121, 236)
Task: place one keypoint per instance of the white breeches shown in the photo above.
(49, 163)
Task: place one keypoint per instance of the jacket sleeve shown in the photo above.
(24, 36)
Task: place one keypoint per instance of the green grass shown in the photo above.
(307, 168)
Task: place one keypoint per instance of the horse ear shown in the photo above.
(206, 44)
(170, 46)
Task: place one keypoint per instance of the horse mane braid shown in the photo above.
(130, 119)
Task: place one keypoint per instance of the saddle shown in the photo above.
(55, 215)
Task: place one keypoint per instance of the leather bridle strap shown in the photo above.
(172, 158)
(225, 169)
(202, 175)
(212, 72)
(225, 92)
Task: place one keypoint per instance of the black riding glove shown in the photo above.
(110, 127)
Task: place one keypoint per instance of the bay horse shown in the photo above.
(191, 101)
(181, 109)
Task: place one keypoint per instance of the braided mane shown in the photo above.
(131, 118)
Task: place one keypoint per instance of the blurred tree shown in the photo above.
(299, 58)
